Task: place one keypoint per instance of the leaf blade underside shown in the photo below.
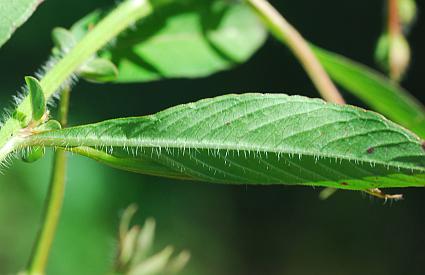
(376, 90)
(255, 139)
(13, 14)
(183, 39)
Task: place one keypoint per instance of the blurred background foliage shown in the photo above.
(228, 229)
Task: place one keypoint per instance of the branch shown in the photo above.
(54, 201)
(288, 35)
(118, 20)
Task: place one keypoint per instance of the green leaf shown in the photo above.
(80, 28)
(13, 13)
(48, 126)
(184, 39)
(375, 90)
(38, 102)
(255, 139)
(63, 39)
(99, 70)
(33, 154)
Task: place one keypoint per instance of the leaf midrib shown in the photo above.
(163, 144)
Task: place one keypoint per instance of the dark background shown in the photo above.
(228, 229)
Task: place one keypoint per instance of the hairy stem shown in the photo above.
(118, 20)
(287, 34)
(54, 201)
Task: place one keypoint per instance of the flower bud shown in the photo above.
(407, 12)
(399, 57)
(33, 154)
(393, 55)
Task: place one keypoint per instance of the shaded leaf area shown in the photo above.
(13, 13)
(183, 39)
(376, 90)
(255, 139)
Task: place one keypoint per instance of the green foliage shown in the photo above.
(33, 154)
(183, 39)
(13, 14)
(256, 139)
(243, 139)
(99, 70)
(63, 39)
(118, 20)
(38, 102)
(375, 90)
(48, 126)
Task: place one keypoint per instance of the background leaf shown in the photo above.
(184, 39)
(13, 13)
(375, 90)
(258, 139)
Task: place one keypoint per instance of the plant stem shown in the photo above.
(54, 201)
(394, 30)
(64, 106)
(287, 34)
(118, 20)
(394, 27)
(108, 28)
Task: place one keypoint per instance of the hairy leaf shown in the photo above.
(13, 13)
(99, 70)
(38, 102)
(183, 39)
(375, 90)
(63, 39)
(33, 154)
(255, 139)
